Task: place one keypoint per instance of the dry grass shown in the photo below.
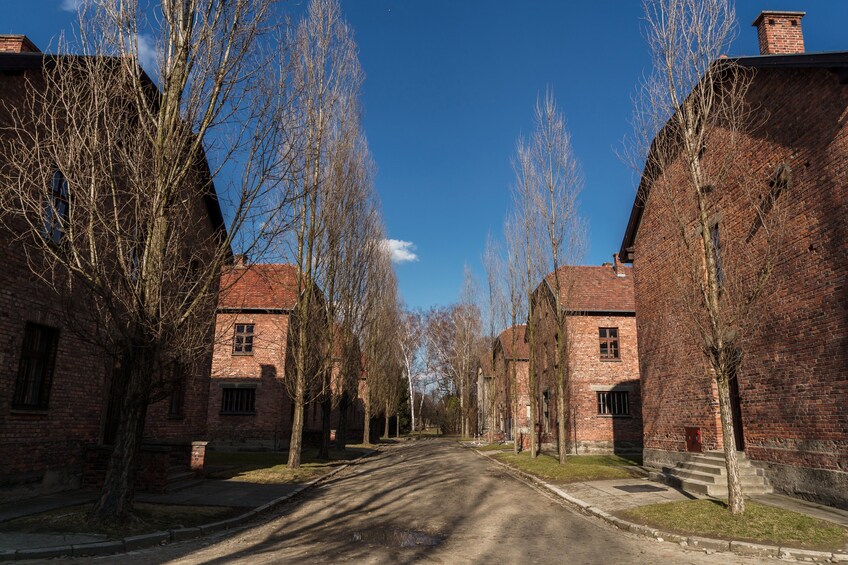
(147, 518)
(270, 467)
(576, 468)
(496, 447)
(760, 523)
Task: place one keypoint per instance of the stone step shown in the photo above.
(712, 456)
(750, 478)
(718, 490)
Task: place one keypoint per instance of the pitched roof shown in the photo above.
(595, 289)
(522, 349)
(836, 61)
(261, 286)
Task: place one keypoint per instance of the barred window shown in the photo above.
(608, 338)
(614, 403)
(238, 400)
(35, 372)
(243, 340)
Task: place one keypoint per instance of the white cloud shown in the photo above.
(71, 5)
(401, 251)
(147, 55)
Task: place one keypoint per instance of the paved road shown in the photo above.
(430, 501)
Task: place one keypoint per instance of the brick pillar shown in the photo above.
(198, 456)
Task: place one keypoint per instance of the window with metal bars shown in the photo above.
(614, 403)
(243, 340)
(35, 372)
(608, 338)
(238, 400)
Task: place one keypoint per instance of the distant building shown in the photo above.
(603, 404)
(789, 400)
(510, 388)
(249, 405)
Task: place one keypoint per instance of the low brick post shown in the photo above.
(198, 456)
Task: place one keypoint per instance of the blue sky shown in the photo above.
(451, 84)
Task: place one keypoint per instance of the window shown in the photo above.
(613, 403)
(243, 340)
(177, 398)
(57, 209)
(38, 356)
(716, 244)
(608, 338)
(238, 400)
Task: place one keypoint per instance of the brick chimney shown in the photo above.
(617, 266)
(780, 33)
(17, 44)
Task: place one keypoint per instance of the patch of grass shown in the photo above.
(271, 467)
(495, 447)
(148, 518)
(576, 468)
(760, 523)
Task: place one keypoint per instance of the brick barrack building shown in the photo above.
(790, 398)
(249, 405)
(54, 384)
(603, 405)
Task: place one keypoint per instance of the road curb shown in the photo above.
(708, 545)
(143, 541)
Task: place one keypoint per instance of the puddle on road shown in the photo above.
(397, 537)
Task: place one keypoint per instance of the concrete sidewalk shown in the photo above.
(210, 492)
(620, 494)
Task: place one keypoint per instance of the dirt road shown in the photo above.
(429, 501)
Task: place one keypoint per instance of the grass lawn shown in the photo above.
(270, 467)
(148, 518)
(577, 467)
(759, 523)
(496, 447)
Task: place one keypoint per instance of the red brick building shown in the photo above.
(249, 405)
(790, 406)
(54, 383)
(512, 402)
(603, 405)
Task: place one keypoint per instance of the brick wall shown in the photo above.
(43, 449)
(587, 430)
(270, 426)
(793, 383)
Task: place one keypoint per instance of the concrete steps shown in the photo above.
(705, 474)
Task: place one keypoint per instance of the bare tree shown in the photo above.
(411, 342)
(517, 307)
(327, 79)
(695, 103)
(554, 182)
(528, 238)
(123, 228)
(381, 353)
(497, 309)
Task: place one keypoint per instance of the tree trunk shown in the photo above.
(397, 425)
(297, 424)
(341, 432)
(411, 402)
(116, 496)
(735, 499)
(326, 410)
(366, 432)
(386, 435)
(561, 418)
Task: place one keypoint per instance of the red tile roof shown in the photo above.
(522, 348)
(259, 286)
(595, 289)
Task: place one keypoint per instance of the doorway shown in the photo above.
(736, 414)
